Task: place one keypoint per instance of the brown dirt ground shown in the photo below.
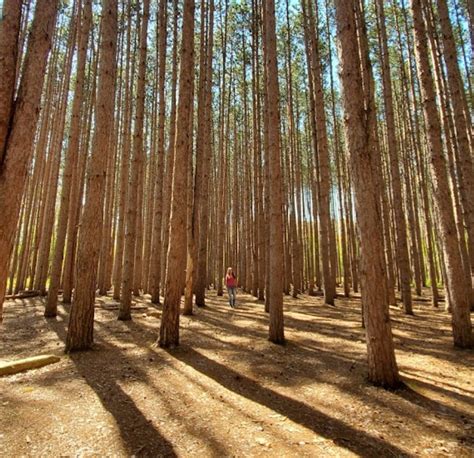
(227, 391)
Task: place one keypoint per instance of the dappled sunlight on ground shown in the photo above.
(227, 391)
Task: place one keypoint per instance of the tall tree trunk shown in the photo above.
(275, 252)
(222, 162)
(176, 264)
(155, 268)
(456, 89)
(325, 226)
(125, 159)
(171, 145)
(9, 37)
(201, 269)
(203, 148)
(136, 165)
(380, 351)
(458, 286)
(70, 160)
(19, 142)
(77, 186)
(194, 202)
(403, 260)
(81, 320)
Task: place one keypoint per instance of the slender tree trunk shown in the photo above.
(458, 188)
(380, 351)
(222, 163)
(70, 160)
(171, 145)
(9, 37)
(35, 189)
(195, 183)
(155, 268)
(136, 165)
(201, 269)
(457, 284)
(275, 253)
(176, 265)
(187, 308)
(456, 89)
(19, 142)
(329, 284)
(125, 161)
(400, 222)
(203, 161)
(81, 320)
(77, 187)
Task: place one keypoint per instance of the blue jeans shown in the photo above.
(231, 291)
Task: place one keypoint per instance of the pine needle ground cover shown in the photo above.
(227, 391)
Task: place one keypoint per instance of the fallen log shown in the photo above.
(20, 365)
(134, 308)
(399, 299)
(23, 294)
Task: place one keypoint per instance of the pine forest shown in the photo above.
(236, 228)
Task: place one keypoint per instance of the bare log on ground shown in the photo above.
(35, 362)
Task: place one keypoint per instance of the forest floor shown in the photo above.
(227, 391)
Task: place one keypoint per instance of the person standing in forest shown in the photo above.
(231, 284)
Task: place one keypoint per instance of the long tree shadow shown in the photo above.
(348, 372)
(334, 328)
(347, 376)
(428, 378)
(411, 392)
(339, 432)
(213, 317)
(415, 397)
(312, 355)
(315, 354)
(139, 435)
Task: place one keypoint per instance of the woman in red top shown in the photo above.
(231, 284)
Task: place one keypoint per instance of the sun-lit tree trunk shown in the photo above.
(168, 182)
(374, 142)
(81, 320)
(458, 286)
(256, 254)
(54, 157)
(380, 350)
(9, 37)
(78, 184)
(195, 180)
(71, 159)
(203, 151)
(461, 121)
(329, 283)
(403, 260)
(155, 267)
(176, 263)
(136, 166)
(451, 145)
(339, 159)
(35, 181)
(222, 162)
(201, 268)
(275, 252)
(19, 141)
(106, 252)
(125, 159)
